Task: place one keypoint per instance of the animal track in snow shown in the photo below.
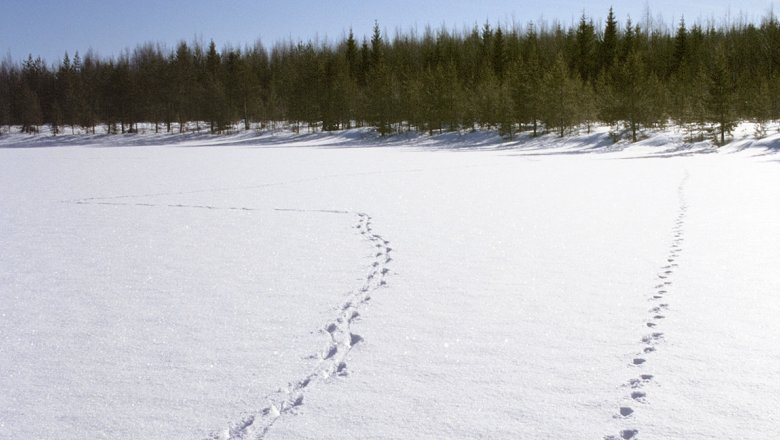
(651, 341)
(626, 434)
(331, 360)
(340, 339)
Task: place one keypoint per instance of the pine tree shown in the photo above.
(680, 53)
(584, 55)
(89, 92)
(377, 48)
(441, 98)
(630, 95)
(607, 49)
(526, 88)
(29, 109)
(383, 99)
(185, 85)
(560, 111)
(365, 63)
(214, 103)
(353, 60)
(720, 100)
(66, 99)
(6, 84)
(499, 54)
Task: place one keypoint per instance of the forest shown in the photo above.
(536, 78)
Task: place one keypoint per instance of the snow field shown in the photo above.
(535, 289)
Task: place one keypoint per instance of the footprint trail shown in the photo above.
(338, 333)
(339, 339)
(657, 313)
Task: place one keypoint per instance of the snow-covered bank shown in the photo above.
(599, 138)
(170, 292)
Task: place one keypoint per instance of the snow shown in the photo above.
(273, 285)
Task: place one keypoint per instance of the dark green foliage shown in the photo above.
(721, 97)
(561, 102)
(551, 80)
(633, 95)
(585, 52)
(607, 49)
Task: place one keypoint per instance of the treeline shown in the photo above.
(548, 78)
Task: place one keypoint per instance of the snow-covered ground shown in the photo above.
(340, 286)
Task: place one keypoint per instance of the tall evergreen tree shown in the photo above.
(214, 105)
(585, 53)
(607, 49)
(561, 111)
(632, 95)
(500, 56)
(353, 59)
(720, 101)
(680, 47)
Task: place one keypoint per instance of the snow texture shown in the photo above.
(278, 286)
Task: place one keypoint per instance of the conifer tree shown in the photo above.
(66, 95)
(607, 49)
(6, 84)
(560, 112)
(29, 109)
(631, 95)
(584, 55)
(353, 60)
(377, 47)
(526, 88)
(214, 102)
(680, 47)
(499, 54)
(720, 100)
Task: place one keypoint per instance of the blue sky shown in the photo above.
(50, 27)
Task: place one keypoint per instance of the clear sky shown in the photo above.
(48, 28)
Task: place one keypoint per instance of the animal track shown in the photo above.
(628, 434)
(652, 340)
(340, 340)
(332, 359)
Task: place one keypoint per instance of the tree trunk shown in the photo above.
(246, 116)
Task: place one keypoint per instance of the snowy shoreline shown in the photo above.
(660, 142)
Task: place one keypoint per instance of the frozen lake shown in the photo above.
(340, 286)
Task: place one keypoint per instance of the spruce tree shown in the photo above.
(720, 100)
(29, 109)
(607, 49)
(499, 54)
(560, 111)
(631, 95)
(585, 51)
(680, 53)
(351, 52)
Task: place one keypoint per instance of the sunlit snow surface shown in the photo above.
(344, 286)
